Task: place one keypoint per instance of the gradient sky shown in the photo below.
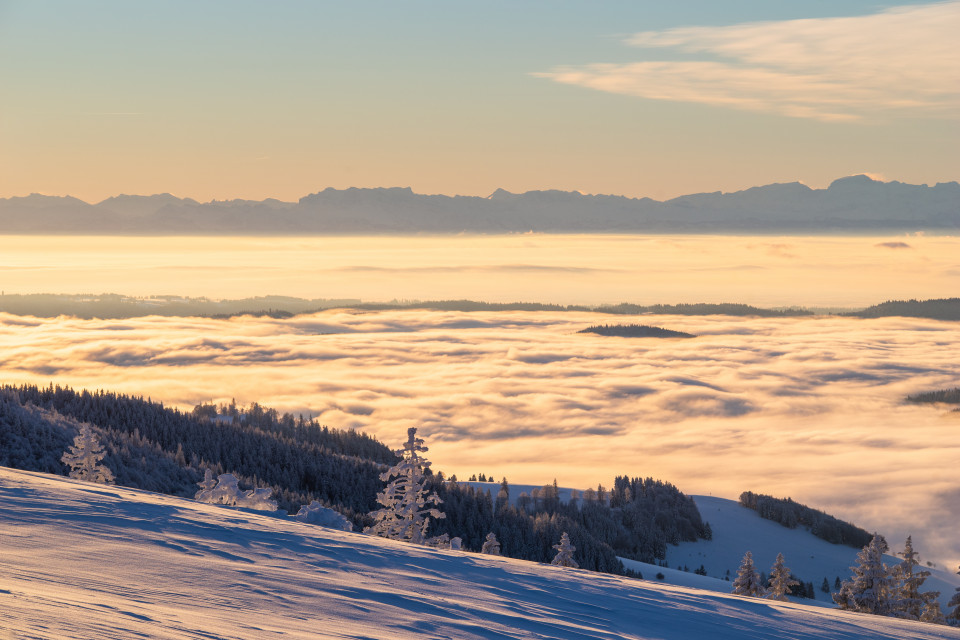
(237, 99)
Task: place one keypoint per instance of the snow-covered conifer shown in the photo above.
(208, 482)
(406, 503)
(228, 492)
(953, 617)
(931, 613)
(491, 546)
(85, 456)
(907, 600)
(780, 580)
(747, 582)
(456, 543)
(564, 557)
(870, 588)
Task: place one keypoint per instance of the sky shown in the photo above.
(240, 99)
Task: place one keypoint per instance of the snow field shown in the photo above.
(89, 561)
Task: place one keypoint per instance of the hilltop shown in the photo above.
(180, 569)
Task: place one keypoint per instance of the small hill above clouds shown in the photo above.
(180, 569)
(737, 529)
(856, 203)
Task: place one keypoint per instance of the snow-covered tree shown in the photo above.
(316, 513)
(747, 582)
(780, 580)
(931, 613)
(208, 482)
(228, 492)
(953, 617)
(907, 601)
(870, 588)
(491, 546)
(85, 456)
(406, 503)
(564, 557)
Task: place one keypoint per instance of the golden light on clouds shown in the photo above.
(809, 407)
(573, 269)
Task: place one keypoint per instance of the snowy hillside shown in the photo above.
(91, 561)
(737, 529)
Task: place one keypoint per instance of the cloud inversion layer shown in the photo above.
(903, 61)
(810, 408)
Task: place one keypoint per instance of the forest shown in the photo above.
(793, 514)
(635, 331)
(155, 448)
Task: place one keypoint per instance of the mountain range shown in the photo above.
(852, 204)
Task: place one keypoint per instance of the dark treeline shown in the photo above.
(792, 514)
(703, 309)
(636, 519)
(635, 331)
(937, 309)
(159, 449)
(948, 396)
(163, 450)
(111, 305)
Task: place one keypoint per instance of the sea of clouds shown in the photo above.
(812, 408)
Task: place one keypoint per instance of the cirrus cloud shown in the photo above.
(902, 61)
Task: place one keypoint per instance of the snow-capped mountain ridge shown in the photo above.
(851, 203)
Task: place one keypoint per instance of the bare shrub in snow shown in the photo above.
(316, 513)
(491, 546)
(229, 493)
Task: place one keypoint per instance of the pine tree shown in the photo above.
(747, 582)
(85, 456)
(406, 513)
(953, 618)
(870, 587)
(908, 601)
(490, 545)
(564, 557)
(780, 580)
(931, 613)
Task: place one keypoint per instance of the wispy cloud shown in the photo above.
(903, 61)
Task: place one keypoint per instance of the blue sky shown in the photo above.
(253, 100)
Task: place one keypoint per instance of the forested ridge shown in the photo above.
(793, 514)
(155, 448)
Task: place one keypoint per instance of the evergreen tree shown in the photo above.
(85, 456)
(747, 582)
(406, 513)
(931, 613)
(953, 618)
(908, 601)
(870, 587)
(780, 580)
(490, 545)
(825, 587)
(564, 557)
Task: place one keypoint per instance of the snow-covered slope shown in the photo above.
(737, 529)
(90, 561)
